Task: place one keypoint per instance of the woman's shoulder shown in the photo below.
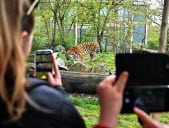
(51, 105)
(44, 94)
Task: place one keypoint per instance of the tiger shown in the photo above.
(83, 49)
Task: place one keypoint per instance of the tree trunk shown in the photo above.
(54, 33)
(76, 34)
(99, 41)
(162, 40)
(80, 82)
(81, 34)
(163, 32)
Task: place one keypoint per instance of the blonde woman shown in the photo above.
(32, 103)
(21, 104)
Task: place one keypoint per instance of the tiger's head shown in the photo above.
(73, 56)
(68, 56)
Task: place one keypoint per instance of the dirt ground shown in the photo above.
(81, 96)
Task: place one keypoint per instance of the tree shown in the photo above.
(61, 19)
(102, 17)
(100, 13)
(163, 32)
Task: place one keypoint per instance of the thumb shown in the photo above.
(142, 115)
(147, 121)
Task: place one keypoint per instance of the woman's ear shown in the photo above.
(24, 36)
(25, 43)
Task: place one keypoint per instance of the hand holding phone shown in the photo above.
(54, 79)
(110, 98)
(46, 67)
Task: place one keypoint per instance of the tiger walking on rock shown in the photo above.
(81, 50)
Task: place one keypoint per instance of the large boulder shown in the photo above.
(61, 64)
(60, 48)
(79, 67)
(100, 68)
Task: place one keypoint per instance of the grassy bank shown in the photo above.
(107, 59)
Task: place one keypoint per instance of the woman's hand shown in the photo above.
(54, 79)
(147, 121)
(111, 97)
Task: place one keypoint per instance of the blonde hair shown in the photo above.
(12, 65)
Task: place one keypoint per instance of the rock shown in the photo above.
(55, 54)
(100, 68)
(61, 64)
(79, 67)
(60, 48)
(113, 72)
(30, 70)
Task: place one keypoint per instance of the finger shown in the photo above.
(142, 115)
(108, 80)
(55, 66)
(50, 77)
(121, 82)
(56, 69)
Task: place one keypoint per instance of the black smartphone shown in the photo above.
(148, 84)
(43, 62)
(149, 99)
(144, 69)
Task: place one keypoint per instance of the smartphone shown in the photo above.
(148, 84)
(148, 99)
(43, 62)
(144, 69)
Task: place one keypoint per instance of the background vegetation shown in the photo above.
(97, 21)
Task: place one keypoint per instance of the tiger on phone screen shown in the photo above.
(81, 50)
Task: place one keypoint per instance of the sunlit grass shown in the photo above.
(107, 59)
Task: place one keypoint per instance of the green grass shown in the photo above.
(89, 109)
(107, 59)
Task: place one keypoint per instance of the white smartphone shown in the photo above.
(43, 63)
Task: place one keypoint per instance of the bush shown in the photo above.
(30, 58)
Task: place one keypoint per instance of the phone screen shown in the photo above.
(43, 63)
(144, 69)
(147, 85)
(147, 99)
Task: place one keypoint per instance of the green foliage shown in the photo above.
(30, 58)
(103, 19)
(153, 37)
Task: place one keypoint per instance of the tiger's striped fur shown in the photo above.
(81, 50)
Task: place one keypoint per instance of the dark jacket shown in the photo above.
(47, 107)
